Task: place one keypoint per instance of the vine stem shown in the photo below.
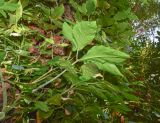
(77, 55)
(50, 81)
(4, 91)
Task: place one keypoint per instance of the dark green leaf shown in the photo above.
(55, 100)
(91, 6)
(41, 106)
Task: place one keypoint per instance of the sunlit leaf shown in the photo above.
(81, 34)
(109, 67)
(105, 54)
(9, 6)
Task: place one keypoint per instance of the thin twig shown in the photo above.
(50, 81)
(40, 78)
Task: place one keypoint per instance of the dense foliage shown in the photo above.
(67, 61)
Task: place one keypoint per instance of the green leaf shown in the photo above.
(14, 18)
(1, 3)
(120, 16)
(127, 14)
(9, 6)
(58, 12)
(89, 70)
(109, 67)
(3, 13)
(81, 34)
(67, 32)
(24, 3)
(103, 4)
(82, 8)
(55, 100)
(138, 83)
(19, 11)
(105, 54)
(91, 6)
(120, 108)
(105, 58)
(45, 115)
(97, 92)
(41, 106)
(54, 61)
(131, 97)
(2, 55)
(72, 77)
(49, 40)
(66, 64)
(2, 115)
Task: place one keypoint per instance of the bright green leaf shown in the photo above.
(81, 35)
(108, 67)
(49, 40)
(67, 32)
(105, 54)
(19, 11)
(1, 3)
(82, 8)
(105, 58)
(9, 6)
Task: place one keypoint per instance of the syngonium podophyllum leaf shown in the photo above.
(81, 34)
(105, 58)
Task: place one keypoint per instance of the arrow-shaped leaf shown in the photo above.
(81, 34)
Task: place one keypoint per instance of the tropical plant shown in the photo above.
(66, 61)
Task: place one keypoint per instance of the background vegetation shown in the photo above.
(85, 61)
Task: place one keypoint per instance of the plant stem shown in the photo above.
(41, 77)
(56, 77)
(4, 91)
(48, 82)
(77, 55)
